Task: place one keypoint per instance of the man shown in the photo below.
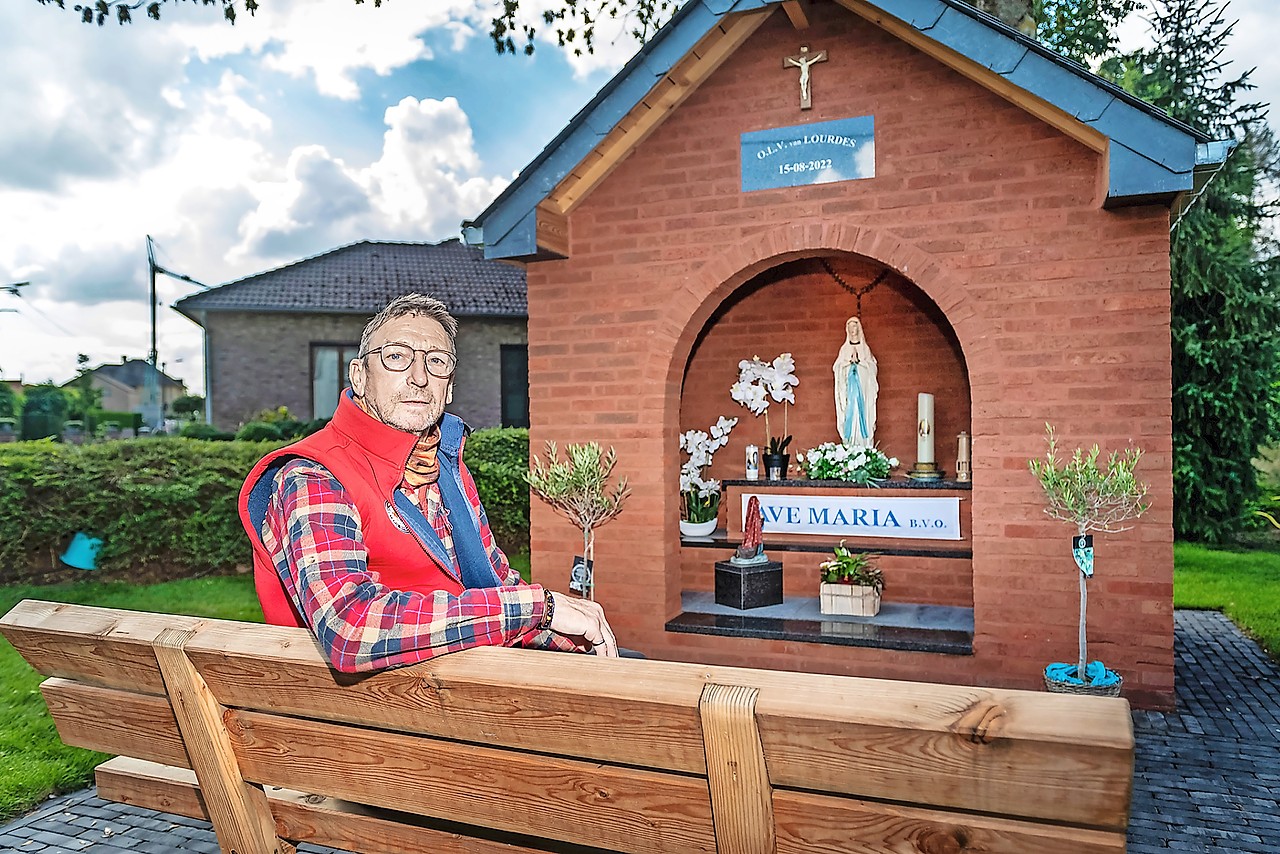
(371, 533)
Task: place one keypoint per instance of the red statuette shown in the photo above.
(752, 531)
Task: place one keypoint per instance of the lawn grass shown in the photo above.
(1244, 585)
(34, 762)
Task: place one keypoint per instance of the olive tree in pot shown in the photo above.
(577, 489)
(1092, 496)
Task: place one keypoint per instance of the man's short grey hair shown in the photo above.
(411, 305)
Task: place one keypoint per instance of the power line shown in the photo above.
(51, 321)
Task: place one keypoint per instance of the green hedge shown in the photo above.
(170, 503)
(167, 503)
(498, 458)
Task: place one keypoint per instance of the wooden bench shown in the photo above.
(501, 750)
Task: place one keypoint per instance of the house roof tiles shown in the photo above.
(363, 277)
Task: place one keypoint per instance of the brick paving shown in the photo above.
(1206, 777)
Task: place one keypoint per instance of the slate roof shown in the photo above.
(363, 277)
(133, 373)
(1152, 156)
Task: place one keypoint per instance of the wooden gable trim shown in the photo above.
(668, 94)
(980, 74)
(552, 230)
(797, 12)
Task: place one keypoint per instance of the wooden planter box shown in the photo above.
(850, 600)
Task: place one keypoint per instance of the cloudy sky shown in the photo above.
(314, 124)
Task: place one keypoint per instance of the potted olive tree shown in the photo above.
(577, 489)
(1092, 496)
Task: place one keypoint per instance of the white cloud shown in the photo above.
(426, 181)
(332, 40)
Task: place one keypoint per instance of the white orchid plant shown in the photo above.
(760, 383)
(699, 496)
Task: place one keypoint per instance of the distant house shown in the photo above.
(284, 337)
(124, 386)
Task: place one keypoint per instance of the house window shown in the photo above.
(329, 376)
(515, 385)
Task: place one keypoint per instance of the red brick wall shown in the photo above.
(1059, 310)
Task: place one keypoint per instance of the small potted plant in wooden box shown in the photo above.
(851, 583)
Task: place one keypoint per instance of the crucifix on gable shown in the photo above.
(803, 60)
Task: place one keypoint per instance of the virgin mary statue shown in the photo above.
(856, 387)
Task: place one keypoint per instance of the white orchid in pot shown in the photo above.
(699, 496)
(1091, 496)
(760, 383)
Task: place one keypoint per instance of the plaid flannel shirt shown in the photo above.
(312, 530)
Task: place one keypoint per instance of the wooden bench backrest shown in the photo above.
(625, 755)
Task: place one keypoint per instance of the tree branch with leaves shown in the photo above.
(577, 488)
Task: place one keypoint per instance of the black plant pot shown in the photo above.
(775, 466)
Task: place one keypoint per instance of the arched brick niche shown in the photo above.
(797, 306)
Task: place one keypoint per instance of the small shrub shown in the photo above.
(259, 431)
(207, 432)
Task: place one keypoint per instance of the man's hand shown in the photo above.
(581, 618)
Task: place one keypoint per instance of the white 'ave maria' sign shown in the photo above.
(924, 518)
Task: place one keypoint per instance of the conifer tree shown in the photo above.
(1225, 277)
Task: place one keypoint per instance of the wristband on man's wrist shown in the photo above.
(548, 609)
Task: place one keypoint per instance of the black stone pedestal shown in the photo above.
(744, 587)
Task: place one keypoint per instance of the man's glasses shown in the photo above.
(399, 358)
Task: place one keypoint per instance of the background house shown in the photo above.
(124, 386)
(283, 337)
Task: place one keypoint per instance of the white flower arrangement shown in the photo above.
(699, 497)
(758, 383)
(836, 461)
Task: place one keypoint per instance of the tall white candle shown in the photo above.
(924, 429)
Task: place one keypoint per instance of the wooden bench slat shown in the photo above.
(623, 809)
(299, 817)
(513, 703)
(101, 646)
(113, 721)
(975, 768)
(818, 824)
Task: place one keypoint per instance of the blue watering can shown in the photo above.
(83, 551)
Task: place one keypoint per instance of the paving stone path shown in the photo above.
(1206, 777)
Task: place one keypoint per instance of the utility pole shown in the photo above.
(153, 406)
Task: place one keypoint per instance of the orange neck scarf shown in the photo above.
(423, 467)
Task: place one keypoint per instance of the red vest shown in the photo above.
(368, 458)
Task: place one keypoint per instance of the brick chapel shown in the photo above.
(997, 217)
